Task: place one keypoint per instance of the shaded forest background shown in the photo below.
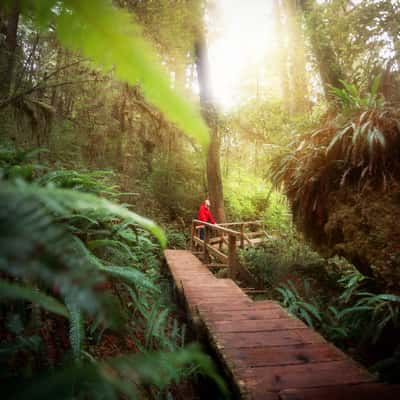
(311, 147)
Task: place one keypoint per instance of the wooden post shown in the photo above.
(242, 236)
(205, 244)
(192, 233)
(232, 257)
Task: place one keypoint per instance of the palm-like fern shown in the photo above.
(359, 147)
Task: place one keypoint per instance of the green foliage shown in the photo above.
(112, 40)
(176, 239)
(296, 305)
(356, 149)
(76, 328)
(355, 316)
(350, 97)
(95, 182)
(18, 163)
(176, 183)
(63, 201)
(14, 291)
(245, 196)
(105, 378)
(277, 216)
(274, 259)
(58, 248)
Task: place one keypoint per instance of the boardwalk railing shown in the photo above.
(222, 241)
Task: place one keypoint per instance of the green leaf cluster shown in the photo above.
(76, 261)
(112, 40)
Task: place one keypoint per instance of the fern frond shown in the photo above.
(14, 291)
(130, 275)
(63, 201)
(76, 328)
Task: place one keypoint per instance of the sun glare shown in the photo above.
(241, 35)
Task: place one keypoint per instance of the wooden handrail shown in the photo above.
(218, 228)
(224, 235)
(241, 223)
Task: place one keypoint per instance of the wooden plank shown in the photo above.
(273, 338)
(283, 355)
(223, 305)
(247, 314)
(257, 241)
(215, 240)
(250, 306)
(266, 325)
(217, 254)
(277, 378)
(364, 391)
(213, 265)
(255, 234)
(266, 350)
(204, 299)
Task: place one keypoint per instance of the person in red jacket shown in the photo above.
(205, 215)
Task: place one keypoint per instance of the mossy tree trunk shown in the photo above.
(330, 70)
(214, 179)
(11, 30)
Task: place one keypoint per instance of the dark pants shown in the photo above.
(201, 233)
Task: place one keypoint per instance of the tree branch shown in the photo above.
(40, 86)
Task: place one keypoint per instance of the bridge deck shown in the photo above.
(268, 353)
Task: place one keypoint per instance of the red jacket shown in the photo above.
(205, 214)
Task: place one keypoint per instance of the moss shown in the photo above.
(364, 227)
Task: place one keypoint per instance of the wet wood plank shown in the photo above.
(265, 325)
(365, 391)
(283, 355)
(277, 378)
(270, 354)
(274, 338)
(239, 315)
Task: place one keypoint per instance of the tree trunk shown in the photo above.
(329, 68)
(282, 53)
(10, 48)
(297, 64)
(209, 113)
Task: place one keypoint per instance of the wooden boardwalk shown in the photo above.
(267, 353)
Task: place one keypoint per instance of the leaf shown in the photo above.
(375, 85)
(312, 309)
(94, 244)
(64, 200)
(14, 291)
(76, 328)
(112, 40)
(338, 138)
(130, 275)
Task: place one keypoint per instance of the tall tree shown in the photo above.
(282, 52)
(209, 113)
(329, 67)
(10, 46)
(297, 59)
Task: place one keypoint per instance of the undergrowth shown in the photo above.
(84, 309)
(362, 322)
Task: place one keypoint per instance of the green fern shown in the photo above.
(14, 291)
(63, 201)
(129, 275)
(76, 328)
